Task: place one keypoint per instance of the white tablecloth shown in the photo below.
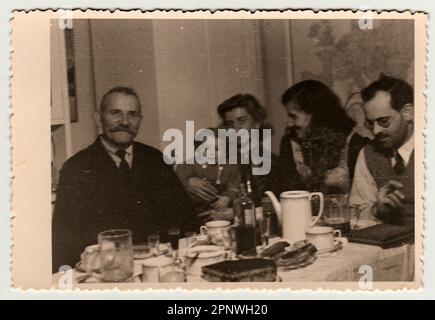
(396, 264)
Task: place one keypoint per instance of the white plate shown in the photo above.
(205, 251)
(338, 245)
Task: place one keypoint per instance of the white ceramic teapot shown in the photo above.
(294, 212)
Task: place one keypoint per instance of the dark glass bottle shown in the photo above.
(245, 226)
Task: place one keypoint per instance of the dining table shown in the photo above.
(349, 264)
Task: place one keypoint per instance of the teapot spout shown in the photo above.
(276, 205)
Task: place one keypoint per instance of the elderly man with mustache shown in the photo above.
(116, 183)
(383, 184)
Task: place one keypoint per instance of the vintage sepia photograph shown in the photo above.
(235, 151)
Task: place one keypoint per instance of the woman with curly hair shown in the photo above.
(313, 151)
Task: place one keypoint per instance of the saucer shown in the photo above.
(296, 245)
(338, 245)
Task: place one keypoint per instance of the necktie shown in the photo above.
(123, 165)
(399, 167)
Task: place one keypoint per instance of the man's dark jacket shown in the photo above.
(94, 196)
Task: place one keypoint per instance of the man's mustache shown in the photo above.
(122, 129)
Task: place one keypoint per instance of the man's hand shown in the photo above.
(201, 188)
(221, 203)
(390, 197)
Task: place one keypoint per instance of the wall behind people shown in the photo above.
(182, 69)
(201, 63)
(84, 86)
(278, 73)
(123, 55)
(347, 57)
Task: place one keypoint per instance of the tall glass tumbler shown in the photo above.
(153, 244)
(264, 225)
(116, 255)
(174, 238)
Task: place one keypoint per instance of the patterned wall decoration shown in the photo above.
(348, 58)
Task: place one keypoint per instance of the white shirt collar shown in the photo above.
(406, 149)
(111, 150)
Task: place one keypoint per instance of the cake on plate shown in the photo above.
(245, 270)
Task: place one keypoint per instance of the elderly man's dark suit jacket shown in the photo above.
(94, 196)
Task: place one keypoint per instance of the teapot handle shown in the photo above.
(320, 195)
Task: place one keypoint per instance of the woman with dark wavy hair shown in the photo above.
(313, 150)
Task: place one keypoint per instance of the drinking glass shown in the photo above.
(190, 238)
(141, 251)
(116, 255)
(336, 214)
(153, 244)
(174, 237)
(355, 214)
(264, 225)
(230, 243)
(226, 238)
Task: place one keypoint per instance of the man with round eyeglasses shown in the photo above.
(383, 185)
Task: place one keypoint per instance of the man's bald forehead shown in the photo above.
(126, 91)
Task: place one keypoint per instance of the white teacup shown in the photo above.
(323, 238)
(152, 268)
(215, 229)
